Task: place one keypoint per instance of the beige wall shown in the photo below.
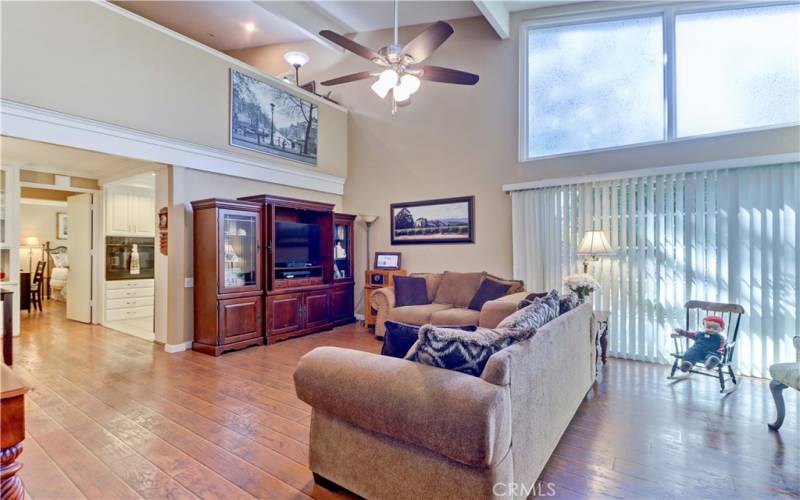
(38, 221)
(84, 59)
(196, 185)
(456, 141)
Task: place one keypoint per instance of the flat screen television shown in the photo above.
(296, 244)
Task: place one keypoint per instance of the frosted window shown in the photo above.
(595, 85)
(737, 69)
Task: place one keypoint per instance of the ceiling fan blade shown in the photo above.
(354, 47)
(429, 40)
(447, 75)
(347, 78)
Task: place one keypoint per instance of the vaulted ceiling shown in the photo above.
(229, 25)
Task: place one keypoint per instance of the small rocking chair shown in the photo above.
(696, 310)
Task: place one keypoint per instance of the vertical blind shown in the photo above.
(728, 235)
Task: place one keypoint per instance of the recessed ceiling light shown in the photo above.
(250, 27)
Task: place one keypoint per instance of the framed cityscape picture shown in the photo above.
(270, 120)
(448, 220)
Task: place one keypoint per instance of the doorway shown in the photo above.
(84, 246)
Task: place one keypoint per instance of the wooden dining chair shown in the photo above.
(37, 285)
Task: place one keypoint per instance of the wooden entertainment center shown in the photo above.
(292, 277)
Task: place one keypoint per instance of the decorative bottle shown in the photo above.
(135, 266)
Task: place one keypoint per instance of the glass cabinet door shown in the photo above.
(342, 250)
(239, 253)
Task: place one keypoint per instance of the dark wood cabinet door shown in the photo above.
(342, 302)
(284, 313)
(317, 308)
(239, 319)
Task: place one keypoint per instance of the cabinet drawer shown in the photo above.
(129, 302)
(126, 284)
(136, 312)
(130, 293)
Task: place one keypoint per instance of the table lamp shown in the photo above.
(594, 245)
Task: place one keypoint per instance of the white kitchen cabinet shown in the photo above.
(143, 212)
(130, 211)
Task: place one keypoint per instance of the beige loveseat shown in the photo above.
(449, 294)
(384, 427)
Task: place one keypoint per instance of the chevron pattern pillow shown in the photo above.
(530, 318)
(468, 352)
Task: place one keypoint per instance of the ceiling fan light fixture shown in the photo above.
(409, 83)
(400, 93)
(386, 81)
(381, 88)
(388, 77)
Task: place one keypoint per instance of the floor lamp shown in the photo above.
(368, 220)
(31, 242)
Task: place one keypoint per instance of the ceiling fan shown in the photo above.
(403, 73)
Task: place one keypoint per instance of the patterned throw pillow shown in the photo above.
(465, 352)
(528, 300)
(531, 317)
(567, 303)
(468, 352)
(399, 337)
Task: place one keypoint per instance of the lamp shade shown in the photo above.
(368, 218)
(297, 59)
(32, 241)
(595, 243)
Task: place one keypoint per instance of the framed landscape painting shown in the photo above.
(270, 120)
(449, 220)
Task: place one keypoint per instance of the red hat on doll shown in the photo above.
(716, 319)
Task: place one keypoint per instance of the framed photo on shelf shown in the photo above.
(447, 220)
(387, 260)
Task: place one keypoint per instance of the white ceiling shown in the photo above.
(221, 24)
(371, 15)
(69, 161)
(218, 24)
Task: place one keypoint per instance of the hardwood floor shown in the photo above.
(113, 416)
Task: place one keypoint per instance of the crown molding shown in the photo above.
(39, 124)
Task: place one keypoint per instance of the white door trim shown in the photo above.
(39, 124)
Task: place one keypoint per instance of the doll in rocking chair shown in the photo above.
(708, 345)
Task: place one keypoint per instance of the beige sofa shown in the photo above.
(384, 427)
(450, 294)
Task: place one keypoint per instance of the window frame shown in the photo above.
(668, 13)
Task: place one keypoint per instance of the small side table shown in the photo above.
(601, 317)
(375, 279)
(12, 407)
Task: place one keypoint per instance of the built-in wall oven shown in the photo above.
(118, 257)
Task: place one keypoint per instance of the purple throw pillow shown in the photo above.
(410, 291)
(489, 290)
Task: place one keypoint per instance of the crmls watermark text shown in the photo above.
(518, 490)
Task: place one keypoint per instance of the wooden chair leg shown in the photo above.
(777, 394)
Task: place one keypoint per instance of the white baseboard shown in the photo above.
(359, 317)
(173, 348)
